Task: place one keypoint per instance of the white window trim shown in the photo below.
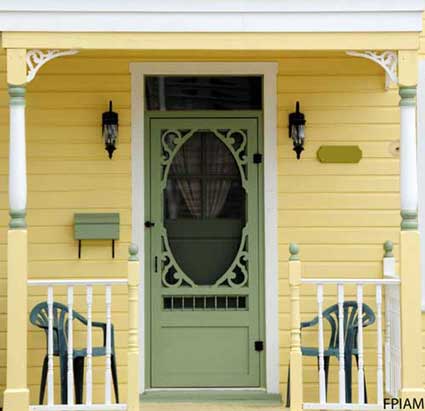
(269, 72)
(420, 99)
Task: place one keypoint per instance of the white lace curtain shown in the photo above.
(218, 164)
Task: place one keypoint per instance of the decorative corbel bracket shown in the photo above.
(38, 58)
(386, 59)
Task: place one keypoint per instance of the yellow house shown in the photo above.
(253, 220)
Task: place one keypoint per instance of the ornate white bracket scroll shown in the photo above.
(386, 59)
(38, 58)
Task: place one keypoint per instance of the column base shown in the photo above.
(16, 396)
(16, 399)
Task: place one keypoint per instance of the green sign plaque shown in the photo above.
(339, 154)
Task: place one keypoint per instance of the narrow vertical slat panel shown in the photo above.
(70, 375)
(388, 366)
(108, 374)
(50, 351)
(89, 371)
(397, 339)
(341, 344)
(360, 343)
(322, 377)
(379, 370)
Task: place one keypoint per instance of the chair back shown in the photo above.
(351, 321)
(39, 317)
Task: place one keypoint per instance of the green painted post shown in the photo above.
(388, 247)
(133, 251)
(294, 250)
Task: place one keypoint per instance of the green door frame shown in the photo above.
(261, 241)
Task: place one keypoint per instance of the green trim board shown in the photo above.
(153, 211)
(17, 219)
(339, 154)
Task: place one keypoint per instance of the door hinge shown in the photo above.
(258, 158)
(149, 224)
(259, 345)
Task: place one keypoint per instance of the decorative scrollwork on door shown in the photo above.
(171, 273)
(237, 274)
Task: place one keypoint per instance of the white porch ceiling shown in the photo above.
(212, 15)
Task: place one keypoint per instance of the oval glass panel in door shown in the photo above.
(204, 183)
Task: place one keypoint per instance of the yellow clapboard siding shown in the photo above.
(57, 135)
(314, 100)
(331, 269)
(370, 167)
(115, 64)
(338, 235)
(345, 115)
(89, 199)
(65, 182)
(339, 201)
(92, 150)
(83, 82)
(340, 184)
(326, 84)
(318, 252)
(84, 268)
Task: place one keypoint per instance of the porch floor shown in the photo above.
(173, 406)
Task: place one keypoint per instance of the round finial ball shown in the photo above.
(388, 246)
(294, 249)
(133, 249)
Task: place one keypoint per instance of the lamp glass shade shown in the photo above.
(301, 132)
(110, 137)
(110, 134)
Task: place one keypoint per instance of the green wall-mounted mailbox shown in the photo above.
(97, 226)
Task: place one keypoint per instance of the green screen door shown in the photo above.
(205, 270)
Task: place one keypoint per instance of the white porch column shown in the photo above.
(410, 276)
(17, 158)
(408, 167)
(16, 396)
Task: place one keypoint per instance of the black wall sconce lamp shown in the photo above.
(296, 130)
(110, 130)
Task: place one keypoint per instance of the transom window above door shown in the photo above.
(172, 93)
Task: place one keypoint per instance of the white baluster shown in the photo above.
(89, 372)
(50, 376)
(322, 377)
(388, 365)
(379, 371)
(70, 375)
(108, 374)
(397, 340)
(341, 343)
(360, 343)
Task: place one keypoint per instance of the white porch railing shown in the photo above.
(387, 327)
(87, 285)
(70, 285)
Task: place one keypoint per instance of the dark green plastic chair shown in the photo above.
(40, 318)
(350, 341)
